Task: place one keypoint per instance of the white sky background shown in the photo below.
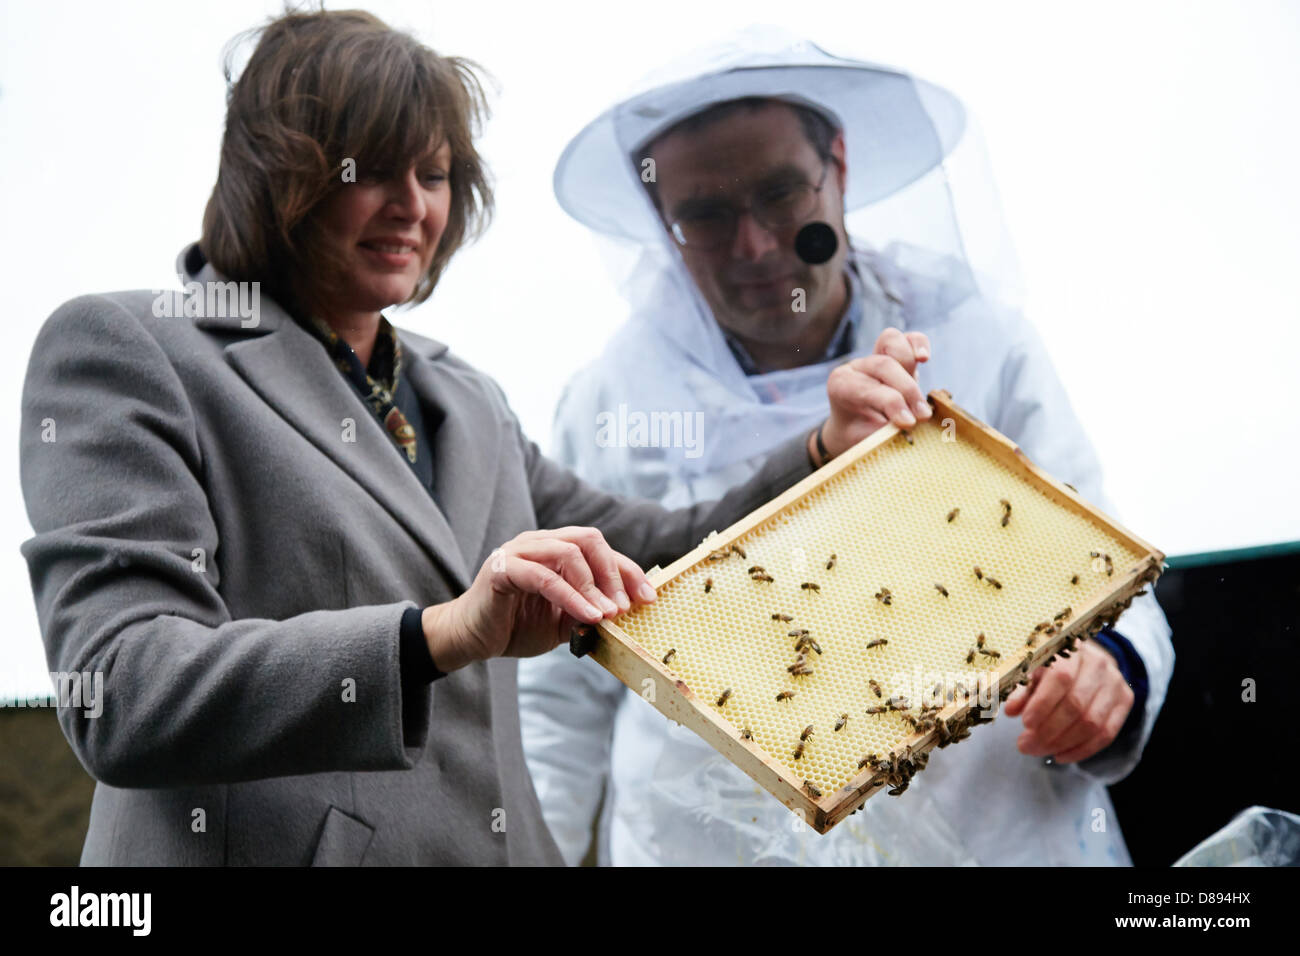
(1144, 152)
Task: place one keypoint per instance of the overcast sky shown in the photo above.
(1144, 154)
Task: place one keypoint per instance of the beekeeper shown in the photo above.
(706, 183)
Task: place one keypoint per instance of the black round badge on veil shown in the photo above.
(816, 243)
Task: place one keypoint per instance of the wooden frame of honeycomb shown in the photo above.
(924, 573)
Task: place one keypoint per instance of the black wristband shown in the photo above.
(416, 662)
(821, 445)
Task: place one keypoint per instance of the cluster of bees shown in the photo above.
(897, 768)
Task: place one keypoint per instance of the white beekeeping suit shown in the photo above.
(917, 264)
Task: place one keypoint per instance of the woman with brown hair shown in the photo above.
(302, 548)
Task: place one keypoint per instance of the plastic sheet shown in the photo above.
(1257, 836)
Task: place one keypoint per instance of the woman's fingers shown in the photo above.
(584, 558)
(634, 579)
(533, 577)
(568, 559)
(616, 575)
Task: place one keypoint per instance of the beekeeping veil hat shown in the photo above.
(909, 143)
(921, 212)
(897, 127)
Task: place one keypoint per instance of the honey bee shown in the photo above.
(737, 549)
(899, 702)
(746, 734)
(778, 616)
(872, 711)
(941, 589)
(798, 751)
(813, 644)
(867, 761)
(672, 652)
(878, 642)
(898, 790)
(724, 696)
(908, 435)
(708, 585)
(785, 695)
(1006, 511)
(993, 581)
(884, 596)
(839, 724)
(1074, 579)
(1062, 616)
(808, 785)
(719, 555)
(875, 687)
(979, 575)
(970, 657)
(830, 562)
(799, 669)
(810, 586)
(1006, 519)
(756, 569)
(807, 732)
(1029, 659)
(762, 577)
(799, 632)
(988, 652)
(953, 514)
(979, 641)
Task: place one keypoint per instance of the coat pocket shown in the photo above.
(343, 840)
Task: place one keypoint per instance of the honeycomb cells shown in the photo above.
(885, 518)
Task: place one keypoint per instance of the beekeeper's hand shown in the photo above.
(877, 389)
(1074, 708)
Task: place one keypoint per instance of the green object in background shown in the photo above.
(1232, 556)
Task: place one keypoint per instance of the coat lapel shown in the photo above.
(467, 446)
(290, 370)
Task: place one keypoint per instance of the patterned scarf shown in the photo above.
(379, 387)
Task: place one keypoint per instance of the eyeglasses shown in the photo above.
(709, 224)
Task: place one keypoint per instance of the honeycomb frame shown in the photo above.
(1031, 567)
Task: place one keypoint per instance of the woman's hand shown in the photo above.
(875, 390)
(529, 593)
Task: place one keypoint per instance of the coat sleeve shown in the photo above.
(643, 530)
(1035, 412)
(111, 471)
